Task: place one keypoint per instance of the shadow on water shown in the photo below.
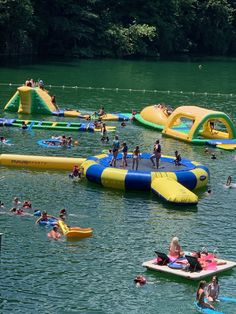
(177, 279)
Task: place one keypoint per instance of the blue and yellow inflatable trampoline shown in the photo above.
(172, 183)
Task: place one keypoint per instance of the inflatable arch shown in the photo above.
(199, 125)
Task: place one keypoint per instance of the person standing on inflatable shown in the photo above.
(115, 150)
(156, 154)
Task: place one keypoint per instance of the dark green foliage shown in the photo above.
(101, 28)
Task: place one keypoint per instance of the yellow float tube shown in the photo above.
(76, 233)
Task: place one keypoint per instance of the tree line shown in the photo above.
(121, 28)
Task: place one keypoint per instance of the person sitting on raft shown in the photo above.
(54, 233)
(175, 250)
(44, 217)
(213, 289)
(200, 296)
(177, 158)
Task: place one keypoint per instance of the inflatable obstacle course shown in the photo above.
(54, 125)
(191, 124)
(29, 100)
(182, 179)
(33, 100)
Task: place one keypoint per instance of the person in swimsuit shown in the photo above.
(124, 157)
(156, 154)
(136, 156)
(104, 133)
(16, 202)
(115, 150)
(27, 204)
(213, 289)
(44, 217)
(140, 280)
(200, 296)
(177, 158)
(175, 249)
(54, 233)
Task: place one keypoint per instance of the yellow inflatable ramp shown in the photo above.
(173, 192)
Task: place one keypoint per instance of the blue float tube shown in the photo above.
(49, 222)
(37, 213)
(57, 143)
(176, 265)
(206, 310)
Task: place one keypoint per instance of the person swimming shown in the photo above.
(54, 233)
(229, 181)
(140, 280)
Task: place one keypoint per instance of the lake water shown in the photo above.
(96, 274)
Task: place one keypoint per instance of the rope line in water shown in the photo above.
(154, 91)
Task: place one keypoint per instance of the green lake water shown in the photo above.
(96, 275)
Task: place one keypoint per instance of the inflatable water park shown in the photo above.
(172, 184)
(35, 100)
(191, 124)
